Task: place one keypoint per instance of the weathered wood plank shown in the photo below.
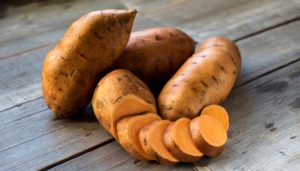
(208, 21)
(264, 132)
(113, 157)
(37, 139)
(42, 16)
(233, 19)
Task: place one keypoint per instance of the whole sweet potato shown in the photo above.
(88, 48)
(154, 55)
(205, 78)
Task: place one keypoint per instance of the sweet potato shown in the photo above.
(120, 94)
(88, 48)
(208, 135)
(219, 113)
(178, 141)
(151, 137)
(128, 133)
(205, 78)
(156, 53)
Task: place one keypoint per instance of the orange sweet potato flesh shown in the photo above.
(120, 94)
(152, 137)
(128, 133)
(86, 51)
(178, 141)
(219, 113)
(205, 78)
(208, 135)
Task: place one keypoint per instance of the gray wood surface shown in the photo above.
(268, 36)
(264, 131)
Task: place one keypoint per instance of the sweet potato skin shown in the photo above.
(156, 53)
(110, 92)
(87, 49)
(205, 78)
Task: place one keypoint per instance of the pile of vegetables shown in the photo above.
(188, 123)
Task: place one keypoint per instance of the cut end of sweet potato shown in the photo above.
(219, 113)
(128, 133)
(208, 135)
(129, 105)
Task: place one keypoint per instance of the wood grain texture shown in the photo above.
(113, 157)
(32, 139)
(264, 131)
(21, 114)
(234, 19)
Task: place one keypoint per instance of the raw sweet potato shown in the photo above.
(151, 138)
(219, 113)
(128, 133)
(156, 53)
(88, 48)
(208, 135)
(120, 94)
(205, 78)
(178, 141)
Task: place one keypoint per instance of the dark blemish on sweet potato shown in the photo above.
(72, 72)
(204, 84)
(174, 85)
(118, 99)
(145, 142)
(171, 34)
(82, 55)
(296, 103)
(232, 60)
(215, 79)
(182, 74)
(97, 35)
(60, 89)
(293, 137)
(269, 125)
(194, 89)
(194, 63)
(294, 74)
(273, 129)
(158, 37)
(62, 58)
(175, 145)
(233, 72)
(119, 78)
(63, 73)
(222, 68)
(203, 56)
(274, 87)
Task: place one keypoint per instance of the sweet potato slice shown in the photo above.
(128, 133)
(219, 113)
(152, 138)
(208, 135)
(130, 105)
(178, 141)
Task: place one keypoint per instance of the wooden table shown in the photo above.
(264, 105)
